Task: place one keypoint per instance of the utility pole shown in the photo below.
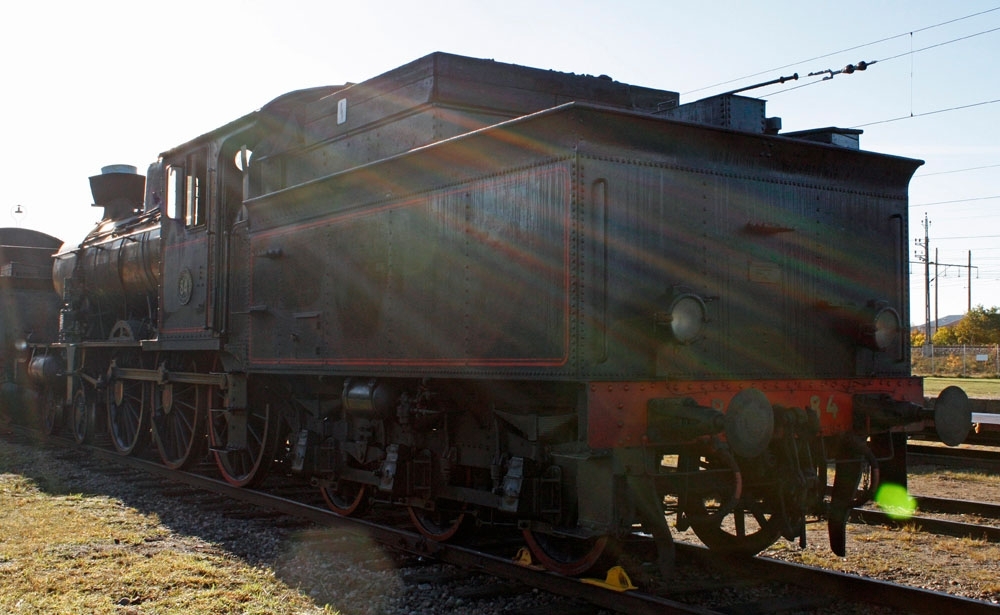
(936, 275)
(925, 258)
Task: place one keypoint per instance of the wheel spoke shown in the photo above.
(177, 419)
(759, 516)
(740, 521)
(128, 407)
(83, 414)
(52, 409)
(744, 527)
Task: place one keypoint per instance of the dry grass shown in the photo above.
(985, 478)
(73, 553)
(964, 566)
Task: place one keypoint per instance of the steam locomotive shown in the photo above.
(501, 296)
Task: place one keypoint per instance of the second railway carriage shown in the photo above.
(28, 309)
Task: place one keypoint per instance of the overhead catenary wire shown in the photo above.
(909, 53)
(941, 44)
(978, 198)
(926, 113)
(833, 53)
(987, 166)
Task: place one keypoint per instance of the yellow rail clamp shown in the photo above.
(523, 558)
(616, 580)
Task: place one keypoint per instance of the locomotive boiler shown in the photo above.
(497, 295)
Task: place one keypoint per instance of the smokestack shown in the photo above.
(119, 189)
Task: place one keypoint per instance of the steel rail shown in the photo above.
(903, 597)
(985, 459)
(943, 527)
(986, 510)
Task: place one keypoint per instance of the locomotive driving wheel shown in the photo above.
(51, 403)
(567, 555)
(244, 440)
(84, 413)
(128, 406)
(728, 515)
(178, 418)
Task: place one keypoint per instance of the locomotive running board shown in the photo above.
(164, 376)
(211, 343)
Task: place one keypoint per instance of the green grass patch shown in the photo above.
(976, 388)
(78, 553)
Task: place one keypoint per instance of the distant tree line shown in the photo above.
(979, 327)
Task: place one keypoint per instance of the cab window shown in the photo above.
(187, 195)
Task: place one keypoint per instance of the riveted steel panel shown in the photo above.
(474, 276)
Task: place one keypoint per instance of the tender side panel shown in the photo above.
(792, 253)
(475, 276)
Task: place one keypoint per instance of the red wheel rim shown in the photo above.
(345, 506)
(583, 555)
(428, 527)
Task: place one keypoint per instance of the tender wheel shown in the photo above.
(347, 498)
(565, 555)
(743, 526)
(438, 525)
(244, 440)
(128, 408)
(178, 421)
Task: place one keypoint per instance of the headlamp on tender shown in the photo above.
(881, 329)
(684, 320)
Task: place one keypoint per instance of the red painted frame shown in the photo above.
(617, 410)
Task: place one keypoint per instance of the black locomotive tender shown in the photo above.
(497, 295)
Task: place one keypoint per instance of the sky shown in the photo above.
(105, 82)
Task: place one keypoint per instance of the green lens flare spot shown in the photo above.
(895, 501)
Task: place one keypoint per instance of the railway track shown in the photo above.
(959, 457)
(764, 585)
(988, 459)
(933, 525)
